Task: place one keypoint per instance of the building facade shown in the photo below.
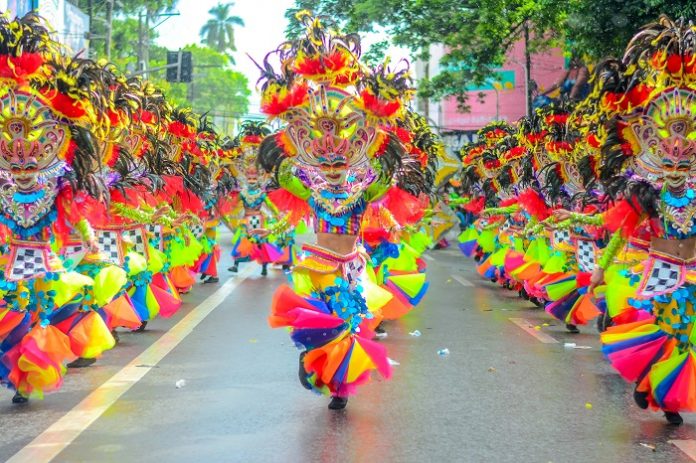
(503, 98)
(69, 22)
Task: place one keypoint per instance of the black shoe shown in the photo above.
(302, 373)
(19, 399)
(674, 418)
(286, 268)
(142, 327)
(338, 403)
(640, 398)
(572, 328)
(212, 280)
(380, 329)
(203, 276)
(603, 322)
(115, 335)
(81, 363)
(234, 268)
(264, 270)
(523, 294)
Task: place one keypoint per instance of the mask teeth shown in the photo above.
(53, 171)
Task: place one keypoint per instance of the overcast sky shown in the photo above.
(263, 31)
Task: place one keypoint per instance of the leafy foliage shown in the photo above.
(218, 32)
(479, 33)
(217, 88)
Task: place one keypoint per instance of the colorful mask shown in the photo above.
(665, 134)
(332, 140)
(33, 142)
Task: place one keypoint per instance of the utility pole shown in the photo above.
(140, 40)
(424, 102)
(527, 72)
(146, 41)
(90, 14)
(191, 93)
(109, 22)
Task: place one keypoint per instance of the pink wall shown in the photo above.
(547, 68)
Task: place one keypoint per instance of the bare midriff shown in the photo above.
(340, 244)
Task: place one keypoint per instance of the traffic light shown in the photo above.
(179, 66)
(172, 70)
(186, 74)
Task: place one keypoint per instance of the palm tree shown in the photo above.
(218, 32)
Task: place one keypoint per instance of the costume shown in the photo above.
(339, 153)
(605, 197)
(253, 217)
(649, 167)
(49, 313)
(103, 184)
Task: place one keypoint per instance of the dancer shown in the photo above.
(335, 157)
(648, 164)
(254, 218)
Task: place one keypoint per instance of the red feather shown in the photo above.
(64, 104)
(379, 108)
(403, 206)
(286, 202)
(475, 206)
(70, 152)
(533, 204)
(277, 104)
(20, 67)
(623, 216)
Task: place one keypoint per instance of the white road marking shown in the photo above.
(428, 257)
(47, 445)
(686, 446)
(463, 281)
(527, 326)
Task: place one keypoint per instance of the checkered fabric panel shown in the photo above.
(352, 270)
(254, 222)
(561, 236)
(73, 249)
(585, 254)
(197, 230)
(107, 242)
(27, 264)
(138, 238)
(156, 231)
(664, 276)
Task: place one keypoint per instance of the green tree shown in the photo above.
(476, 33)
(218, 32)
(124, 10)
(602, 28)
(479, 33)
(216, 88)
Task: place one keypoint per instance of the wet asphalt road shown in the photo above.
(500, 396)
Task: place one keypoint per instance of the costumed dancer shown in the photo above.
(45, 171)
(335, 157)
(254, 217)
(648, 166)
(389, 232)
